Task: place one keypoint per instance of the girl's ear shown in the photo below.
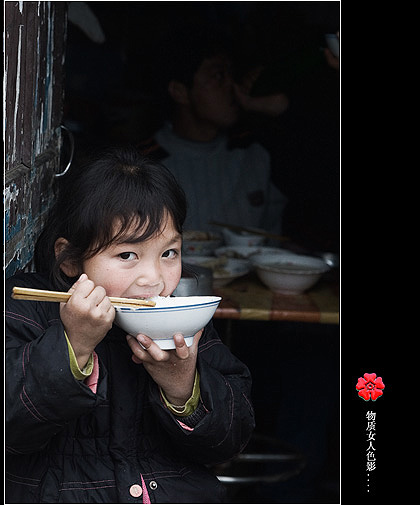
(68, 268)
(178, 92)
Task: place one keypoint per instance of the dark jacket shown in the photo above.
(65, 444)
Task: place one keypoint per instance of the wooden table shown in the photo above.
(248, 298)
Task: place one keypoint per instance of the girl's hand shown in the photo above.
(174, 370)
(87, 317)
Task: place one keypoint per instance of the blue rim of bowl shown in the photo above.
(169, 309)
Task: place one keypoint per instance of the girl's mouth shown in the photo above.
(143, 296)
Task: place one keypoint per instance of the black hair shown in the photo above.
(120, 185)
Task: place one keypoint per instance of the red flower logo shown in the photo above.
(370, 387)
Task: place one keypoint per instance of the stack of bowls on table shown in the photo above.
(198, 251)
(224, 270)
(281, 270)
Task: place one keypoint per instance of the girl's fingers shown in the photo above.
(82, 278)
(136, 359)
(133, 344)
(151, 349)
(99, 298)
(95, 294)
(106, 309)
(84, 288)
(79, 290)
(197, 336)
(181, 347)
(145, 349)
(135, 348)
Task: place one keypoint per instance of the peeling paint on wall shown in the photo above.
(33, 89)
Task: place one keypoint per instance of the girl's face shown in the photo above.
(139, 270)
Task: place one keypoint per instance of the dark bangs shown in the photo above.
(120, 196)
(131, 201)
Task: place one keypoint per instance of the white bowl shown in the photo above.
(225, 270)
(172, 314)
(242, 238)
(271, 253)
(289, 274)
(200, 243)
(247, 252)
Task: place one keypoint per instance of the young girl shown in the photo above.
(92, 414)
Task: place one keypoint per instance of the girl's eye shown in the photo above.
(170, 253)
(127, 256)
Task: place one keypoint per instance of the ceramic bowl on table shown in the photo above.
(242, 238)
(270, 253)
(200, 243)
(289, 274)
(172, 314)
(225, 270)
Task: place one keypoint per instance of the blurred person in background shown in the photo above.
(225, 173)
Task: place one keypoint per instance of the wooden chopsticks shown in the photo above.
(60, 296)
